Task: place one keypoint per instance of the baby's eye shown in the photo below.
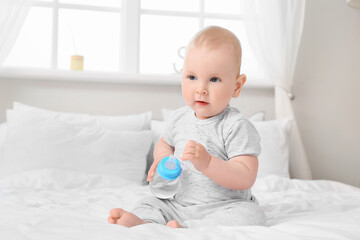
(191, 77)
(214, 79)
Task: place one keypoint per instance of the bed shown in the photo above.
(61, 173)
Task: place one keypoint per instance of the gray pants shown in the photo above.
(226, 213)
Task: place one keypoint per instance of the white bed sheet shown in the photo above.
(54, 204)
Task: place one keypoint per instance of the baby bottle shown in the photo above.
(165, 182)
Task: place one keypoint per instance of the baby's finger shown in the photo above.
(190, 148)
(188, 156)
(187, 152)
(191, 143)
(151, 172)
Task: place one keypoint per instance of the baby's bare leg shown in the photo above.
(124, 218)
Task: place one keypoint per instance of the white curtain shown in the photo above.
(12, 16)
(274, 29)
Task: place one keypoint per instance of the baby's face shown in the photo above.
(209, 80)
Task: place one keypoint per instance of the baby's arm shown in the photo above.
(239, 173)
(161, 150)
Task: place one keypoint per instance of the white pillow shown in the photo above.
(135, 122)
(275, 147)
(34, 142)
(158, 129)
(258, 116)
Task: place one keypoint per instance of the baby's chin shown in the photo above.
(205, 112)
(201, 116)
(204, 116)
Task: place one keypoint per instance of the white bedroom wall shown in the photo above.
(327, 85)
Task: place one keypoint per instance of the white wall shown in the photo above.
(327, 84)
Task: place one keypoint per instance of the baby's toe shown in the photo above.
(116, 213)
(111, 220)
(174, 224)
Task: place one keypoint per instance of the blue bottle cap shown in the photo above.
(169, 168)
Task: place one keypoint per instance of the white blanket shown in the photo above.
(54, 204)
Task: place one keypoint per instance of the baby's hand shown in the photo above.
(152, 169)
(162, 149)
(197, 154)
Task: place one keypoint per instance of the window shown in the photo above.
(129, 36)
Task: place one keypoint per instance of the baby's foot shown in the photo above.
(174, 224)
(124, 218)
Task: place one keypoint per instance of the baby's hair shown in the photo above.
(213, 37)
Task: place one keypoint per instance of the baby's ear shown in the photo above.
(240, 81)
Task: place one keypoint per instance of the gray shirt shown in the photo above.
(226, 135)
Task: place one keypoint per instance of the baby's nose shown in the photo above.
(202, 91)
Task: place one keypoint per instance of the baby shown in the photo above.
(217, 145)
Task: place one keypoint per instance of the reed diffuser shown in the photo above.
(77, 61)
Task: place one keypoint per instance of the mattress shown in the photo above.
(58, 204)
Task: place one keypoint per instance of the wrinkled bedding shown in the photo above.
(56, 204)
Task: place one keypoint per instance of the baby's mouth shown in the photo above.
(202, 103)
